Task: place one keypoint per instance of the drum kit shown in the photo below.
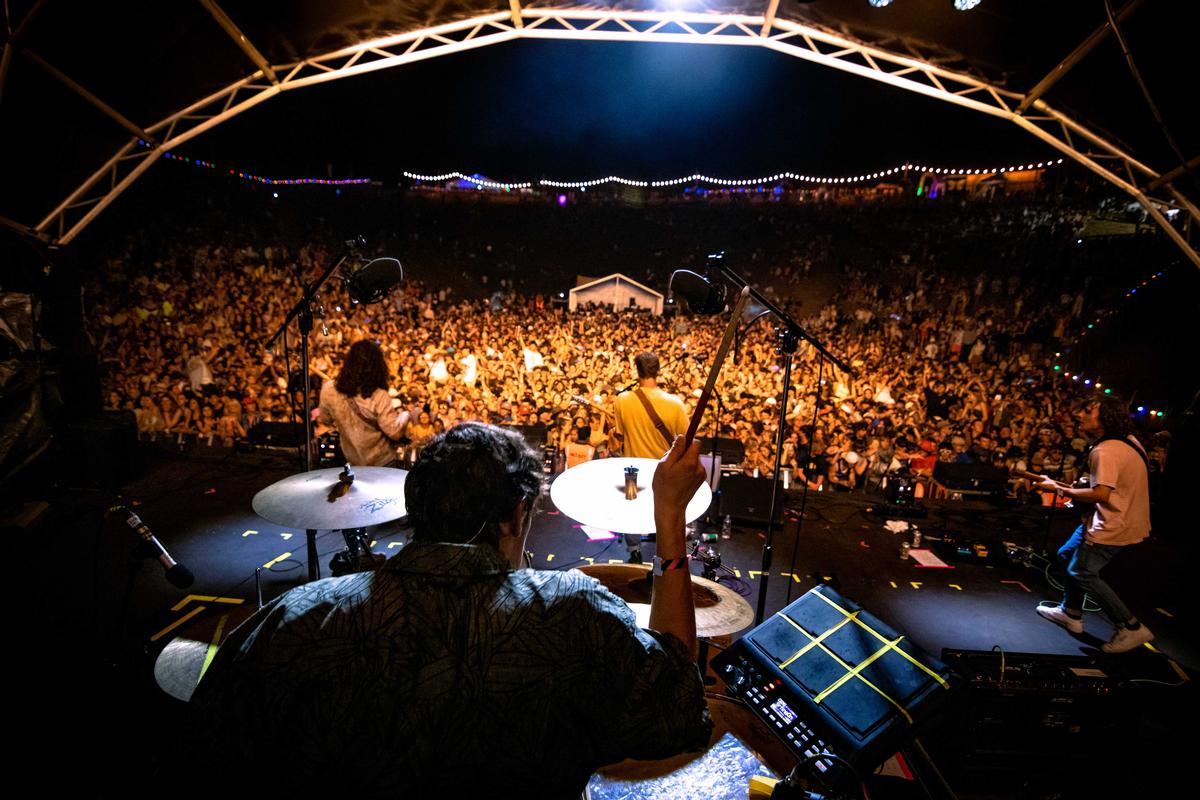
(614, 494)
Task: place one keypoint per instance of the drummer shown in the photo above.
(453, 669)
(358, 404)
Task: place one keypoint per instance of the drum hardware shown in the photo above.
(346, 500)
(589, 493)
(720, 611)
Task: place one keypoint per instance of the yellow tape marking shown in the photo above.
(549, 557)
(395, 544)
(615, 561)
(373, 543)
(737, 573)
(276, 560)
(891, 645)
(796, 578)
(956, 586)
(1164, 612)
(207, 598)
(915, 584)
(754, 572)
(287, 536)
(249, 533)
(588, 559)
(177, 623)
(813, 642)
(893, 583)
(212, 646)
(1179, 671)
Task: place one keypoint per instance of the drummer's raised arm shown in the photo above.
(678, 476)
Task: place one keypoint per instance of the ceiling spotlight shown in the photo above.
(966, 5)
(880, 3)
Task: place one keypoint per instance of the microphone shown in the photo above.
(177, 574)
(372, 282)
(702, 296)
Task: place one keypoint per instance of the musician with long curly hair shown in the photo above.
(357, 403)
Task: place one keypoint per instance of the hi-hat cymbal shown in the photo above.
(593, 493)
(317, 500)
(719, 610)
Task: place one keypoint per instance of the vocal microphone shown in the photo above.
(702, 296)
(177, 574)
(371, 282)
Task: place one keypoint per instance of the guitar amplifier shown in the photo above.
(827, 676)
(970, 479)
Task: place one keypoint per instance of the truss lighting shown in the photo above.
(966, 5)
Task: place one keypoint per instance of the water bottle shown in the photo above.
(727, 527)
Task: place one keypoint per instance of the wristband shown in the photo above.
(663, 565)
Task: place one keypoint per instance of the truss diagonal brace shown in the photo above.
(769, 18)
(240, 39)
(1077, 55)
(102, 106)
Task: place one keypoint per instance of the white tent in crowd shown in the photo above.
(618, 292)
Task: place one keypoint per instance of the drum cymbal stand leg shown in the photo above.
(314, 566)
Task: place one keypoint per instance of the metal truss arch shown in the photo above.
(907, 71)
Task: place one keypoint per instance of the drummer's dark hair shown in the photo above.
(467, 481)
(364, 370)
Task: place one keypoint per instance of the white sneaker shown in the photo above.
(1059, 617)
(1125, 639)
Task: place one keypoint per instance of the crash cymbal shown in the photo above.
(593, 493)
(719, 610)
(322, 500)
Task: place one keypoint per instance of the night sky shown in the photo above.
(579, 110)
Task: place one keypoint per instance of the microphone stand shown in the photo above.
(302, 312)
(790, 337)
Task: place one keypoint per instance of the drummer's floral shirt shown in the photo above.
(444, 671)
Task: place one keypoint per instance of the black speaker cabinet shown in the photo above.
(747, 499)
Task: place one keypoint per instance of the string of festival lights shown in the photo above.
(248, 176)
(1096, 383)
(483, 183)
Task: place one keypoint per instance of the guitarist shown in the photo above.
(647, 422)
(359, 406)
(1120, 491)
(648, 419)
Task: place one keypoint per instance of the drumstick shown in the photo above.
(734, 321)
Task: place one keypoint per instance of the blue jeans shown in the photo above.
(1084, 562)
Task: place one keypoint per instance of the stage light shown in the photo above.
(880, 3)
(275, 195)
(1141, 409)
(562, 199)
(966, 5)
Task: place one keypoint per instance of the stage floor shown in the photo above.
(95, 626)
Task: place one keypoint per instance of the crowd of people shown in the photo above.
(952, 332)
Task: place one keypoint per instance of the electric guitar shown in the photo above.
(1084, 509)
(583, 401)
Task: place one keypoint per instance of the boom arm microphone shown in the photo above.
(177, 574)
(702, 296)
(373, 281)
